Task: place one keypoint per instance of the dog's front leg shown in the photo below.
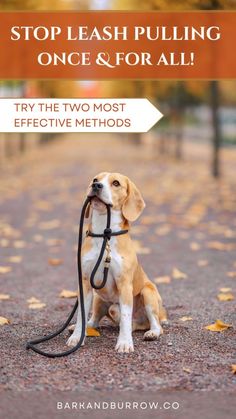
(125, 340)
(88, 296)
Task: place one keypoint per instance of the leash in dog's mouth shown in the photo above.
(106, 236)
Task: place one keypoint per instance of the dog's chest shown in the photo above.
(109, 292)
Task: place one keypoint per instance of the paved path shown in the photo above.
(187, 219)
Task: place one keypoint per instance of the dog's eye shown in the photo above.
(116, 183)
(95, 180)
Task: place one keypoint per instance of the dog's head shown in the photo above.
(116, 190)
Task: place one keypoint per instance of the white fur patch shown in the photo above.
(98, 221)
(125, 340)
(105, 193)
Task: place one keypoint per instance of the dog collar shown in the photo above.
(108, 233)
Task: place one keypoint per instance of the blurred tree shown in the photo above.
(177, 93)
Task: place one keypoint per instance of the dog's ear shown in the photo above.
(88, 211)
(134, 203)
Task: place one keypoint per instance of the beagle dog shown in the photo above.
(129, 298)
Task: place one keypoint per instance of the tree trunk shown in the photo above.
(216, 137)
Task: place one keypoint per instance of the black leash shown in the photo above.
(106, 237)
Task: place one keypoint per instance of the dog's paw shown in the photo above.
(152, 334)
(73, 340)
(124, 346)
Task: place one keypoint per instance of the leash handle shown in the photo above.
(31, 344)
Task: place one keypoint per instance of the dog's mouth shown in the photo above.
(97, 202)
(96, 199)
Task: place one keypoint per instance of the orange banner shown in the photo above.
(117, 45)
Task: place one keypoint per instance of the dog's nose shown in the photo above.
(96, 186)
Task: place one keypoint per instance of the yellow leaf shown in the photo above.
(68, 294)
(177, 274)
(5, 269)
(231, 274)
(225, 289)
(162, 280)
(225, 297)
(33, 300)
(185, 318)
(4, 320)
(90, 331)
(186, 370)
(19, 244)
(202, 262)
(15, 259)
(36, 306)
(218, 326)
(55, 261)
(4, 296)
(194, 246)
(233, 367)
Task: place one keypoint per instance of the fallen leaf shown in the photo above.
(68, 294)
(177, 274)
(231, 274)
(90, 331)
(36, 306)
(54, 242)
(186, 370)
(19, 244)
(225, 289)
(144, 251)
(139, 249)
(185, 319)
(183, 235)
(218, 326)
(4, 242)
(202, 262)
(4, 296)
(43, 205)
(55, 261)
(15, 259)
(233, 368)
(49, 225)
(136, 230)
(194, 246)
(163, 230)
(38, 238)
(4, 320)
(225, 297)
(148, 219)
(33, 300)
(5, 269)
(215, 245)
(162, 280)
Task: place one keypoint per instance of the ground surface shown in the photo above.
(189, 224)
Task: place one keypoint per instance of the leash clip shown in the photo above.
(107, 233)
